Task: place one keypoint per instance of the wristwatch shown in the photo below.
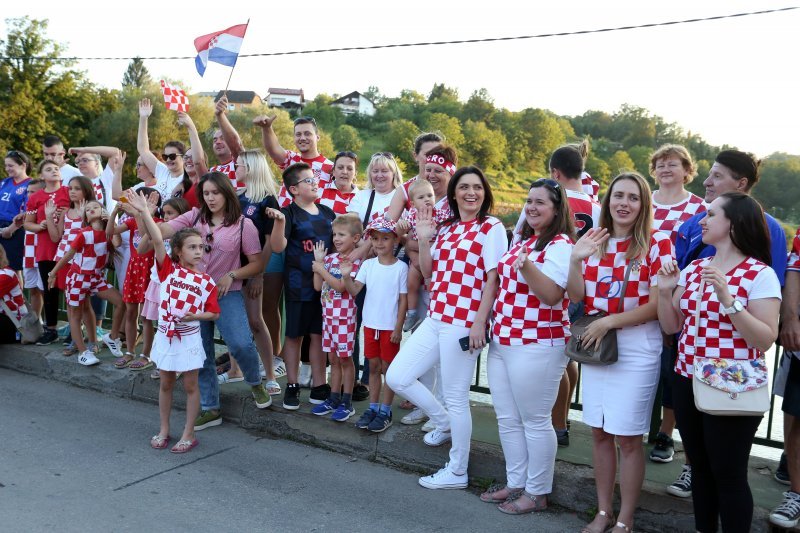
(735, 307)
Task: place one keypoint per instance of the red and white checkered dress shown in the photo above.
(320, 165)
(178, 345)
(603, 277)
(335, 199)
(86, 276)
(716, 335)
(668, 218)
(11, 293)
(590, 187)
(519, 316)
(463, 254)
(338, 312)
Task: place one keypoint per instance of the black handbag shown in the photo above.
(606, 353)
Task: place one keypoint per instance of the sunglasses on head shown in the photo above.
(547, 181)
(171, 157)
(351, 155)
(305, 120)
(13, 153)
(390, 155)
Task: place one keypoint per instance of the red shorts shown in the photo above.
(79, 286)
(339, 337)
(377, 344)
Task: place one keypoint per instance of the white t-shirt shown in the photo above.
(360, 202)
(104, 182)
(385, 284)
(68, 172)
(165, 182)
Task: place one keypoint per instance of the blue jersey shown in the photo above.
(257, 213)
(13, 197)
(689, 244)
(303, 231)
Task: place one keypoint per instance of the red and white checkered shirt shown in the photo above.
(439, 215)
(405, 187)
(603, 277)
(91, 251)
(11, 292)
(335, 199)
(590, 187)
(519, 316)
(794, 255)
(182, 292)
(320, 165)
(337, 306)
(29, 260)
(228, 168)
(463, 254)
(585, 214)
(716, 335)
(668, 218)
(72, 226)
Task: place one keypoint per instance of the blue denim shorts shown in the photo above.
(275, 264)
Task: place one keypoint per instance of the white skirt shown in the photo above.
(178, 354)
(619, 397)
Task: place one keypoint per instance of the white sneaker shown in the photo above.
(437, 437)
(114, 345)
(428, 426)
(444, 479)
(305, 376)
(88, 358)
(279, 367)
(416, 416)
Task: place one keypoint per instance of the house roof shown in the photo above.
(238, 97)
(354, 94)
(293, 92)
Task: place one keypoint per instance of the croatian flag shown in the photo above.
(220, 47)
(175, 98)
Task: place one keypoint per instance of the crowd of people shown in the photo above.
(677, 278)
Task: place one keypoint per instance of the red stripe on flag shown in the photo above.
(201, 43)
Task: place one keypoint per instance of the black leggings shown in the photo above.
(718, 448)
(51, 296)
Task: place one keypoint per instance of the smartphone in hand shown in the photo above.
(464, 342)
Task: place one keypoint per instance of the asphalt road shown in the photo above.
(77, 460)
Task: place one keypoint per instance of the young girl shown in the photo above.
(10, 291)
(136, 279)
(187, 296)
(172, 208)
(90, 249)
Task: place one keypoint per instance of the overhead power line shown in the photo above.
(432, 43)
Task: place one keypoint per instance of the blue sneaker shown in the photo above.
(324, 408)
(366, 419)
(342, 413)
(380, 422)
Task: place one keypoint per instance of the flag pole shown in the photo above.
(225, 92)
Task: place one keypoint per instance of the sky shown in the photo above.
(732, 81)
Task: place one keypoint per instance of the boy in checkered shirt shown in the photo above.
(338, 315)
(384, 312)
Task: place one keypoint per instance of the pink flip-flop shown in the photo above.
(184, 446)
(157, 442)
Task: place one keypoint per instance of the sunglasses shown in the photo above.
(13, 153)
(305, 120)
(209, 241)
(351, 155)
(171, 157)
(86, 160)
(390, 155)
(547, 181)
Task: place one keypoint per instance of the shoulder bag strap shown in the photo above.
(625, 285)
(369, 208)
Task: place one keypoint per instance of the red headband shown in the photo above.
(442, 161)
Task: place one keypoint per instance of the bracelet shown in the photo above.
(231, 275)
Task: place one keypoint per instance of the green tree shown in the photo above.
(346, 138)
(641, 159)
(136, 75)
(328, 117)
(444, 100)
(374, 94)
(599, 170)
(479, 107)
(448, 126)
(399, 140)
(485, 147)
(543, 134)
(633, 125)
(621, 162)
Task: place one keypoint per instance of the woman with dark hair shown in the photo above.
(170, 175)
(423, 143)
(13, 195)
(462, 265)
(227, 235)
(342, 188)
(618, 398)
(526, 357)
(739, 297)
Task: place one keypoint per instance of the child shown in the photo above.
(172, 208)
(298, 227)
(420, 194)
(30, 271)
(339, 316)
(10, 291)
(187, 296)
(384, 308)
(90, 250)
(136, 279)
(43, 210)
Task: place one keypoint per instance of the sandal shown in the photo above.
(224, 367)
(70, 350)
(273, 389)
(610, 520)
(155, 374)
(493, 493)
(226, 378)
(622, 526)
(184, 446)
(142, 363)
(513, 506)
(157, 442)
(124, 361)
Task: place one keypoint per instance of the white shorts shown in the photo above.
(32, 279)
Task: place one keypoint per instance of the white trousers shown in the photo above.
(436, 342)
(524, 382)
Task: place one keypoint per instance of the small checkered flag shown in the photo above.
(175, 98)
